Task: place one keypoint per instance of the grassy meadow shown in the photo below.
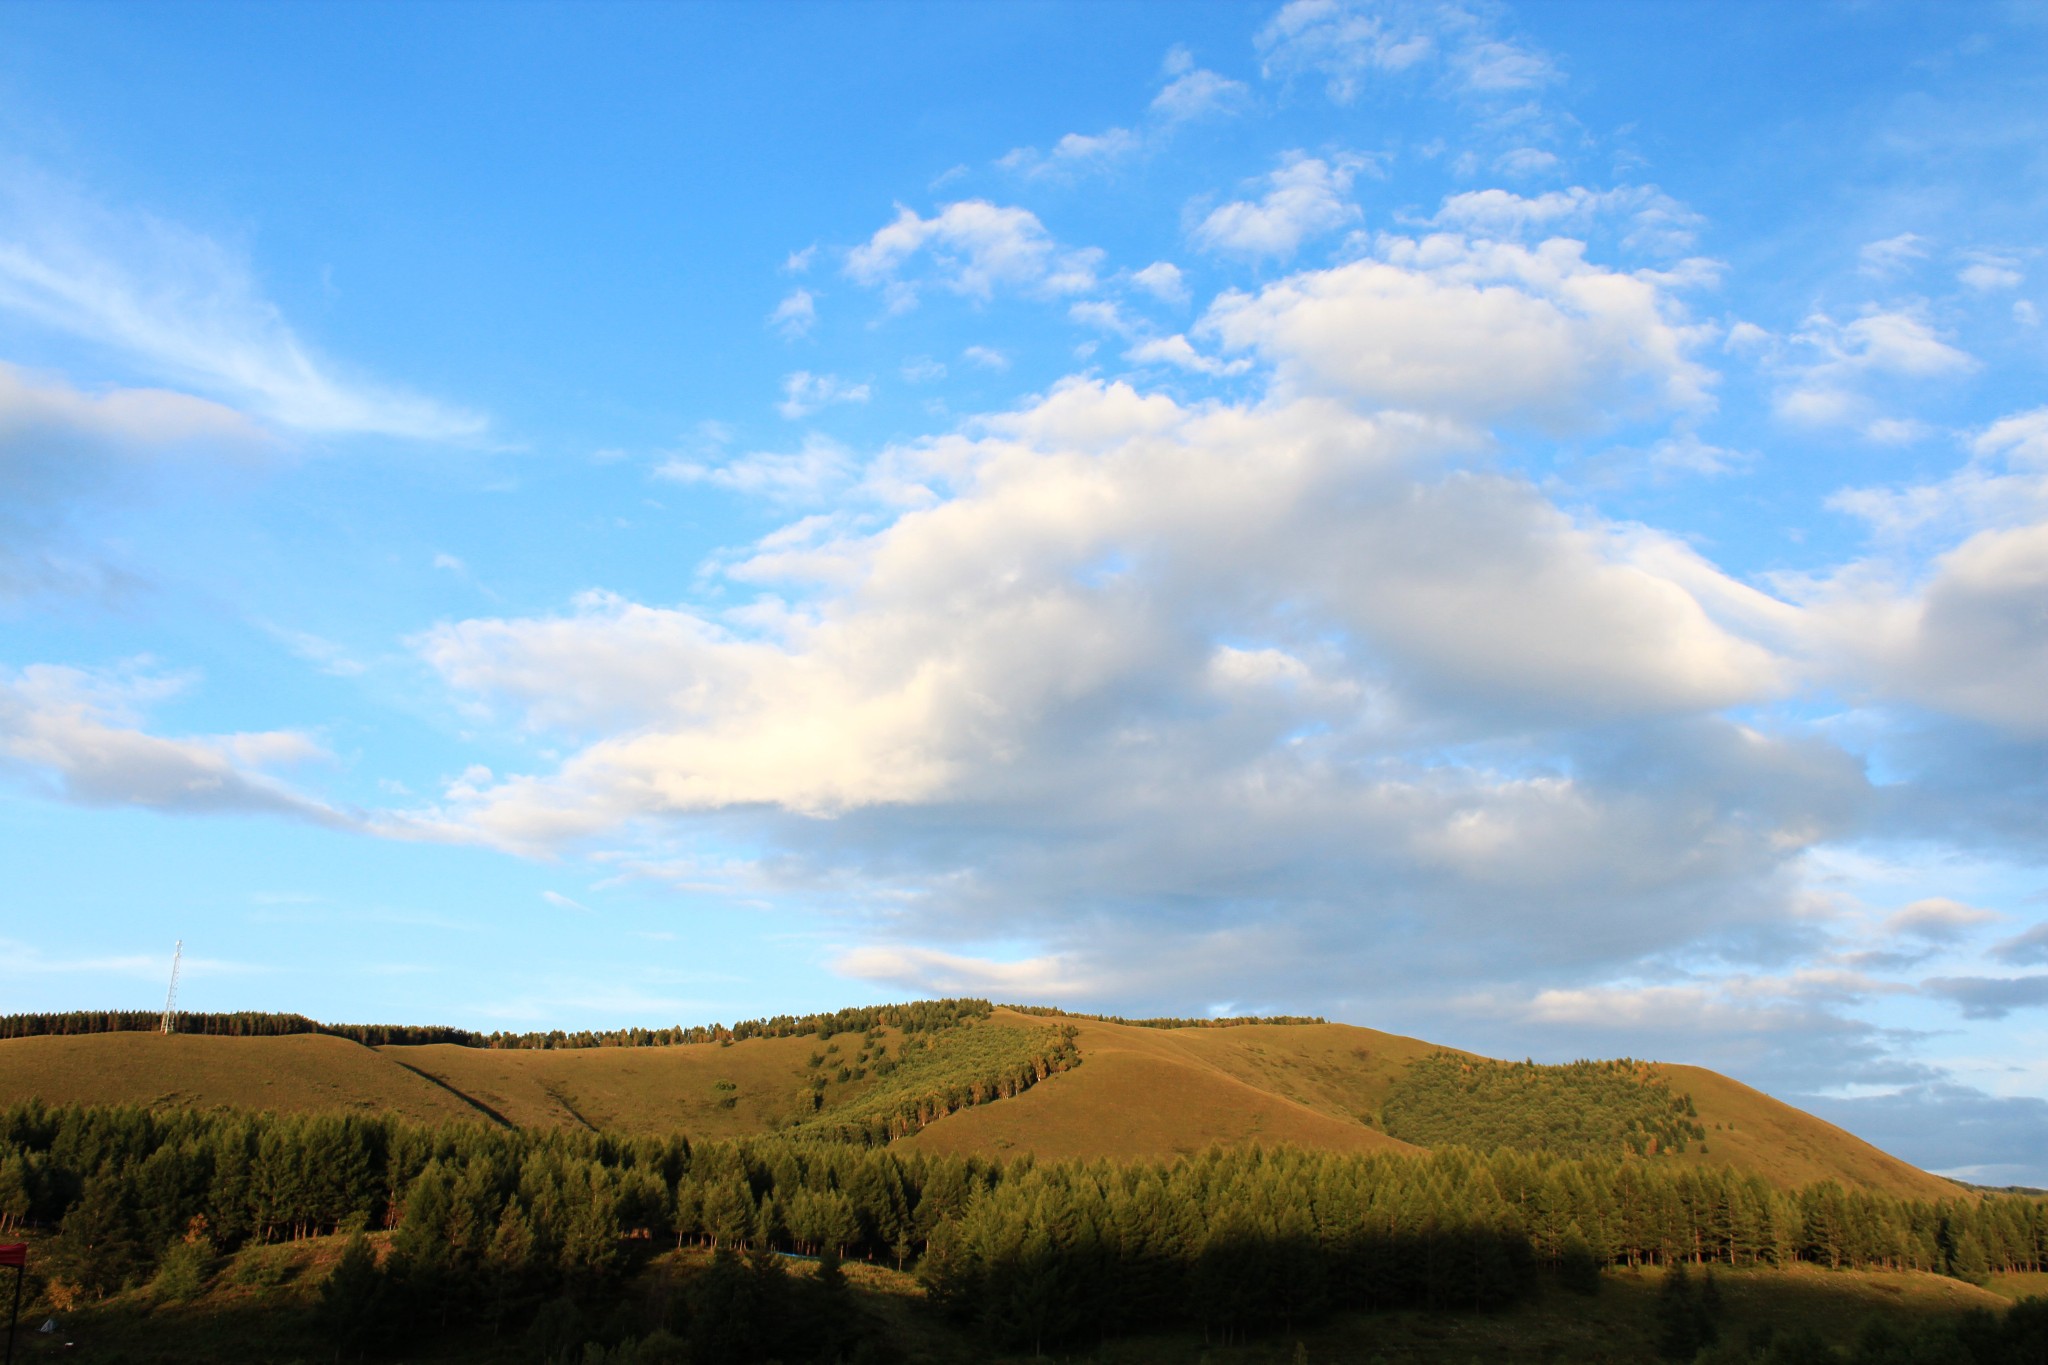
(704, 1089)
(301, 1074)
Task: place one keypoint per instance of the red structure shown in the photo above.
(16, 1255)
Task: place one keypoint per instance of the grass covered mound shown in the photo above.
(1584, 1109)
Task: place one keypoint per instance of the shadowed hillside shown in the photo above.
(177, 1236)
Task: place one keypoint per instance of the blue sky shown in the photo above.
(1523, 526)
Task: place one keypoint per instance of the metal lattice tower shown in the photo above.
(171, 998)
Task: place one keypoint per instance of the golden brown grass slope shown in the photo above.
(1145, 1092)
(300, 1073)
(1750, 1131)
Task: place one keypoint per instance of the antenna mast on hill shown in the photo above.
(171, 998)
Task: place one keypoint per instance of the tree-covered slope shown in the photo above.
(492, 1235)
(1581, 1109)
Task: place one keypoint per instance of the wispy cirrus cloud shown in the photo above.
(796, 315)
(180, 305)
(819, 465)
(18, 959)
(1831, 385)
(803, 393)
(1351, 45)
(1075, 152)
(1191, 93)
(1892, 256)
(1649, 218)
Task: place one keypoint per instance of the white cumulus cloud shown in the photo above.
(1197, 92)
(1178, 352)
(1163, 280)
(1304, 199)
(1474, 330)
(969, 644)
(974, 248)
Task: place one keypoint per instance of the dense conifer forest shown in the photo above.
(508, 1231)
(933, 1075)
(1581, 1109)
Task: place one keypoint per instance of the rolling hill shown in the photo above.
(1136, 1092)
(1148, 1092)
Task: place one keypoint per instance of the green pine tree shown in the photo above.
(100, 1245)
(831, 1275)
(354, 1297)
(1678, 1316)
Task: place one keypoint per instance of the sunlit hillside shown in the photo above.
(998, 1082)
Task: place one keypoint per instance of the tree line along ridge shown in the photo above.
(1206, 1021)
(920, 1016)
